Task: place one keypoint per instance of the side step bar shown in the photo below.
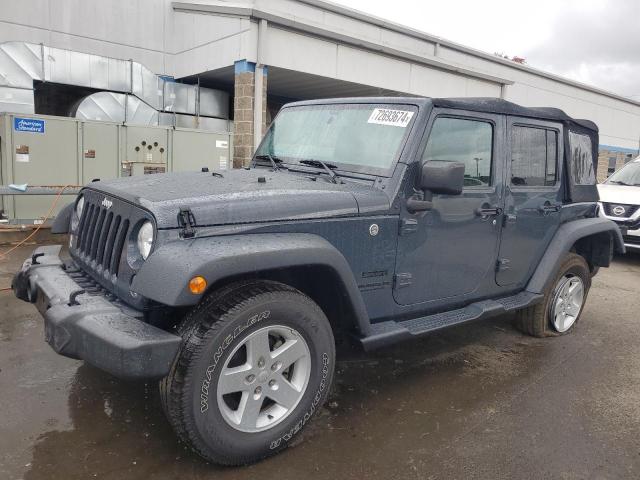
(389, 332)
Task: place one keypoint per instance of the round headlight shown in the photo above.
(145, 239)
(75, 217)
(79, 207)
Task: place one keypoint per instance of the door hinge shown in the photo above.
(408, 225)
(508, 218)
(187, 221)
(502, 264)
(401, 280)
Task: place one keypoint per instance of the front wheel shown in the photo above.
(563, 301)
(256, 363)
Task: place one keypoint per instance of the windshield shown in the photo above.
(627, 175)
(353, 137)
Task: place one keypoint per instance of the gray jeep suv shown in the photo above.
(385, 218)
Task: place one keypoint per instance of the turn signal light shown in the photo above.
(197, 285)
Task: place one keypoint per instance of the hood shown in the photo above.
(611, 193)
(240, 196)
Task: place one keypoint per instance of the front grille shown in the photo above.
(619, 209)
(101, 238)
(629, 224)
(101, 246)
(633, 240)
(88, 284)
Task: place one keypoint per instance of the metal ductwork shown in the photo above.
(115, 107)
(127, 91)
(20, 64)
(124, 108)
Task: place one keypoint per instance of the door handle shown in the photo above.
(548, 207)
(487, 210)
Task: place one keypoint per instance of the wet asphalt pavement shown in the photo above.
(477, 401)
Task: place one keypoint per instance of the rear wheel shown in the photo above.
(563, 302)
(256, 363)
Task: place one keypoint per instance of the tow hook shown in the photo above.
(73, 297)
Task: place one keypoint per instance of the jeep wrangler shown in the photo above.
(387, 218)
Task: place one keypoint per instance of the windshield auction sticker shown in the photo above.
(395, 118)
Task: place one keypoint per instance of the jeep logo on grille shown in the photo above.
(107, 203)
(618, 210)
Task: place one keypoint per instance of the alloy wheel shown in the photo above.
(567, 302)
(264, 378)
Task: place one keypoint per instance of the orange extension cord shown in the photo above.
(4, 255)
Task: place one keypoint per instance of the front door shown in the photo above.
(533, 198)
(450, 251)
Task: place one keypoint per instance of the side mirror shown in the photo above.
(437, 176)
(442, 177)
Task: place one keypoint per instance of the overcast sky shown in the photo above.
(592, 41)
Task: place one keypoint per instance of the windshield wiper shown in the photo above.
(273, 159)
(326, 166)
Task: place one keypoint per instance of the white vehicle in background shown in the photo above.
(620, 202)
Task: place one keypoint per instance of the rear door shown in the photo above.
(533, 198)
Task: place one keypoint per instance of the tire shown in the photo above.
(224, 332)
(538, 320)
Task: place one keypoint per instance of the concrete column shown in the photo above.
(503, 91)
(249, 115)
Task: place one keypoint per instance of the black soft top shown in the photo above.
(580, 136)
(497, 105)
(474, 104)
(580, 140)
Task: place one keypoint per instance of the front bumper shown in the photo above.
(632, 243)
(629, 227)
(630, 237)
(90, 327)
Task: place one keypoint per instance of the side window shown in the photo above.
(466, 141)
(581, 148)
(534, 156)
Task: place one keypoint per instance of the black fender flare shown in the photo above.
(165, 275)
(566, 236)
(63, 220)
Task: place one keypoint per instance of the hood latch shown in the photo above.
(187, 221)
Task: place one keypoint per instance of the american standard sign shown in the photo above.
(31, 125)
